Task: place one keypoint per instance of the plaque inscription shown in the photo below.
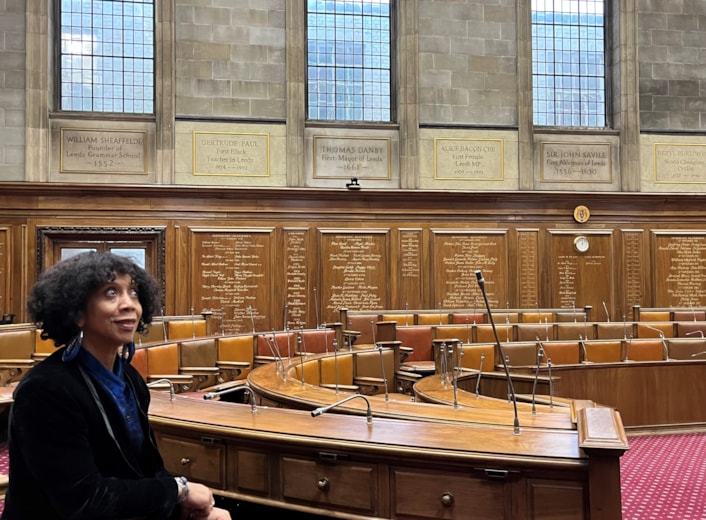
(346, 157)
(296, 276)
(680, 163)
(576, 162)
(457, 256)
(355, 271)
(231, 154)
(103, 151)
(468, 159)
(680, 270)
(232, 269)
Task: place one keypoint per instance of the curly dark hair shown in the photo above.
(58, 299)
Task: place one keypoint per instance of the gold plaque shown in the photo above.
(581, 214)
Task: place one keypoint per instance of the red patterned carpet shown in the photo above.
(663, 477)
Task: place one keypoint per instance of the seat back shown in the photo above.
(561, 352)
(463, 333)
(155, 331)
(472, 354)
(691, 329)
(336, 370)
(613, 330)
(433, 318)
(655, 316)
(603, 351)
(240, 349)
(17, 343)
(653, 329)
(402, 319)
(370, 363)
(520, 353)
(139, 361)
(308, 371)
(317, 341)
(690, 315)
(419, 338)
(163, 360)
(644, 350)
(201, 352)
(573, 330)
(363, 323)
(687, 348)
(536, 317)
(534, 331)
(185, 329)
(282, 343)
(570, 316)
(484, 333)
(505, 317)
(469, 318)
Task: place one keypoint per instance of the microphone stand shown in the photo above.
(481, 284)
(335, 363)
(369, 413)
(161, 382)
(607, 314)
(480, 371)
(382, 369)
(665, 350)
(540, 354)
(244, 388)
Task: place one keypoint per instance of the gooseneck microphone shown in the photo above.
(369, 413)
(481, 284)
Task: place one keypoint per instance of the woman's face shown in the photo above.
(112, 314)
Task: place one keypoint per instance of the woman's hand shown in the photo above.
(198, 504)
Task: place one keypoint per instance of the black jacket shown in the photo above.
(69, 455)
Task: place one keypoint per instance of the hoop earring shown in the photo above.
(73, 347)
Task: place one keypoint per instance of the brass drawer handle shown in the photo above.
(447, 499)
(185, 461)
(323, 484)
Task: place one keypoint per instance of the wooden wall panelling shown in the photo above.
(679, 272)
(299, 271)
(455, 256)
(582, 278)
(234, 276)
(633, 262)
(5, 270)
(355, 270)
(410, 269)
(527, 268)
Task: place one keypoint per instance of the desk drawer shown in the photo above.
(344, 485)
(429, 494)
(200, 461)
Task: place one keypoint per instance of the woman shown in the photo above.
(79, 439)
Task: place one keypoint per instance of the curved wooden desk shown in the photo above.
(339, 465)
(270, 387)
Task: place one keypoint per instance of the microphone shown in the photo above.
(699, 353)
(245, 388)
(625, 327)
(286, 312)
(582, 344)
(369, 413)
(480, 371)
(316, 308)
(252, 318)
(540, 354)
(699, 331)
(279, 363)
(481, 285)
(193, 323)
(164, 326)
(161, 382)
(382, 369)
(665, 350)
(607, 314)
